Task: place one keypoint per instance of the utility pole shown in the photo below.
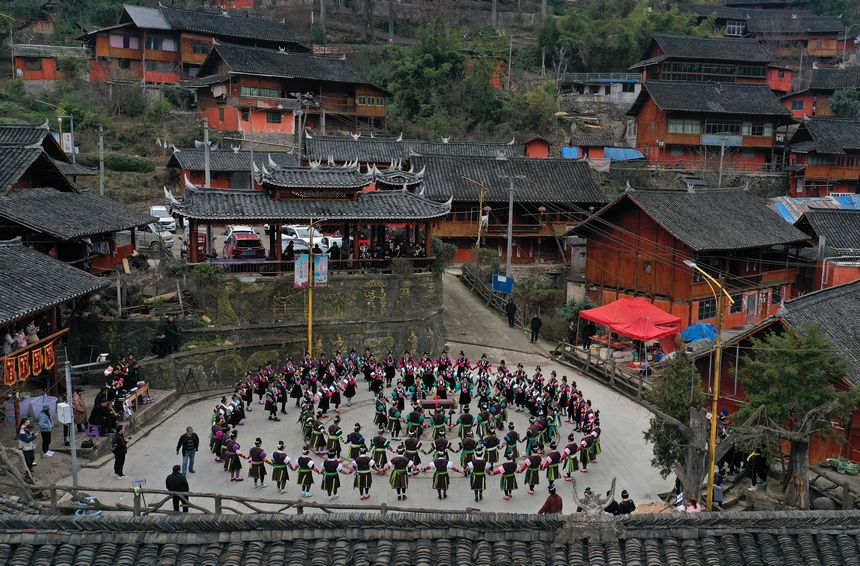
(206, 170)
(722, 155)
(251, 143)
(72, 131)
(510, 51)
(511, 189)
(101, 160)
(322, 17)
(72, 426)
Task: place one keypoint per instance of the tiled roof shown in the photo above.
(14, 162)
(546, 180)
(771, 21)
(323, 178)
(710, 219)
(385, 150)
(712, 98)
(12, 505)
(833, 79)
(712, 49)
(242, 205)
(839, 228)
(22, 135)
(75, 169)
(837, 310)
(35, 281)
(832, 136)
(66, 215)
(588, 139)
(225, 160)
(282, 64)
(479, 539)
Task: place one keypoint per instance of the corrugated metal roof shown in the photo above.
(146, 18)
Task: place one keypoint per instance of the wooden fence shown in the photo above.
(608, 371)
(82, 499)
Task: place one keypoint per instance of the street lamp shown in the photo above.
(713, 284)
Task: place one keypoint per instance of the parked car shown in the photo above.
(243, 246)
(293, 232)
(299, 246)
(239, 229)
(164, 217)
(152, 238)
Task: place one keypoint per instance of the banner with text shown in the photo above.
(321, 270)
(302, 271)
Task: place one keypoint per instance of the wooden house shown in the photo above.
(228, 169)
(700, 59)
(785, 33)
(238, 85)
(824, 157)
(637, 245)
(689, 124)
(835, 256)
(550, 196)
(167, 45)
(815, 99)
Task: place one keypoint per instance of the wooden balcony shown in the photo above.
(752, 280)
(469, 229)
(827, 172)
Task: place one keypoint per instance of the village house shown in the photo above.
(252, 90)
(637, 245)
(835, 255)
(824, 157)
(616, 88)
(550, 196)
(701, 125)
(168, 45)
(815, 99)
(228, 169)
(785, 33)
(701, 59)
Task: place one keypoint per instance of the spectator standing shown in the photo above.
(27, 443)
(80, 408)
(119, 447)
(553, 503)
(46, 425)
(612, 508)
(188, 444)
(178, 484)
(511, 311)
(535, 325)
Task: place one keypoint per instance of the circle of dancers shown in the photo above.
(422, 407)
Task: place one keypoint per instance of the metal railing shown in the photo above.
(608, 370)
(30, 50)
(601, 77)
(83, 502)
(401, 265)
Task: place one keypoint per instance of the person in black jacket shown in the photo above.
(626, 506)
(188, 443)
(511, 311)
(536, 324)
(119, 447)
(177, 483)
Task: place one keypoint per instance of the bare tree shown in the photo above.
(322, 15)
(495, 13)
(367, 34)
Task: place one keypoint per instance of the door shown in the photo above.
(752, 307)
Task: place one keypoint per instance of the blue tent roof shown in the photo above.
(623, 153)
(571, 152)
(698, 331)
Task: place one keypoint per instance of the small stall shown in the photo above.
(636, 331)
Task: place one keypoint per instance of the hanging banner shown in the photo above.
(50, 356)
(38, 361)
(10, 371)
(321, 270)
(23, 366)
(302, 266)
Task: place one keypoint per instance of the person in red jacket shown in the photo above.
(553, 503)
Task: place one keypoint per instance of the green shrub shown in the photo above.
(173, 267)
(570, 310)
(208, 274)
(443, 253)
(122, 162)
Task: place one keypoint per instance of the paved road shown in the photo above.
(470, 327)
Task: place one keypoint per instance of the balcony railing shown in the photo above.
(274, 267)
(601, 77)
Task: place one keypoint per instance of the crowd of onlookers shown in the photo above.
(19, 337)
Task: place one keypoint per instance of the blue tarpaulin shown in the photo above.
(571, 152)
(503, 284)
(623, 154)
(699, 331)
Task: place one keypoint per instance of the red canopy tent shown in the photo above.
(634, 318)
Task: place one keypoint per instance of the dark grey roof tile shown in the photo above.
(833, 79)
(386, 150)
(226, 160)
(712, 98)
(712, 48)
(67, 215)
(840, 228)
(833, 136)
(546, 180)
(229, 26)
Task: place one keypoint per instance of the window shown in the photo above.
(707, 309)
(32, 64)
(818, 45)
(220, 114)
(155, 43)
(362, 100)
(738, 304)
(199, 46)
(723, 128)
(159, 67)
(259, 91)
(628, 87)
(124, 64)
(607, 90)
(816, 159)
(752, 71)
(679, 126)
(735, 27)
(380, 101)
(776, 295)
(120, 41)
(646, 266)
(245, 114)
(758, 129)
(782, 73)
(797, 105)
(273, 117)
